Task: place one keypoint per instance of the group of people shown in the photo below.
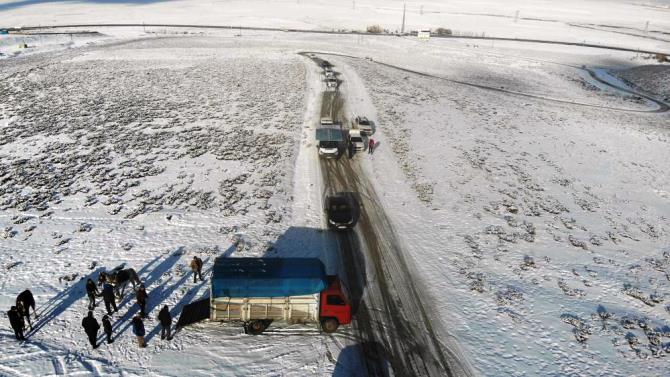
(20, 313)
(17, 313)
(91, 325)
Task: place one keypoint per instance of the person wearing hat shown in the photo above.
(142, 298)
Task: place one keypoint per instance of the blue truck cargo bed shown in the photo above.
(267, 277)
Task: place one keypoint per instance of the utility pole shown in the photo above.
(402, 29)
(646, 27)
(421, 11)
(353, 4)
(516, 17)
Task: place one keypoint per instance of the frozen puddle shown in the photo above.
(602, 79)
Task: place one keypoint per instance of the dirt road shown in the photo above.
(392, 324)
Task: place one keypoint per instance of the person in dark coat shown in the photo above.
(17, 323)
(138, 330)
(165, 318)
(196, 267)
(92, 292)
(107, 326)
(371, 146)
(142, 297)
(25, 301)
(108, 297)
(91, 327)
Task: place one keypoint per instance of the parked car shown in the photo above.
(357, 142)
(362, 124)
(331, 83)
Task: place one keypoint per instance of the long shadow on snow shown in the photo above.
(191, 311)
(153, 303)
(61, 302)
(124, 322)
(154, 274)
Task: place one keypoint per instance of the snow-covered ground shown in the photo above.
(635, 24)
(542, 227)
(539, 228)
(146, 153)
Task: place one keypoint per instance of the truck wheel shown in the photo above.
(256, 327)
(329, 325)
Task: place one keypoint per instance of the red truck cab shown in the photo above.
(335, 309)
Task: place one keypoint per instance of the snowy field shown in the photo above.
(639, 24)
(551, 237)
(145, 153)
(532, 200)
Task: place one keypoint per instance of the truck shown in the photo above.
(329, 138)
(259, 291)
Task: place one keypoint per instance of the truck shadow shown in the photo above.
(352, 271)
(339, 251)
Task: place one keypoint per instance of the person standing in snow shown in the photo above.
(196, 267)
(108, 297)
(165, 319)
(91, 327)
(138, 330)
(371, 146)
(142, 297)
(92, 292)
(107, 326)
(17, 323)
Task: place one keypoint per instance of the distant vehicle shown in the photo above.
(259, 291)
(331, 83)
(329, 73)
(340, 212)
(423, 34)
(363, 124)
(329, 139)
(356, 141)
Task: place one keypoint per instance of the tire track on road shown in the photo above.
(395, 332)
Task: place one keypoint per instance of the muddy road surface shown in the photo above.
(391, 321)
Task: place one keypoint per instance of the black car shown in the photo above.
(340, 212)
